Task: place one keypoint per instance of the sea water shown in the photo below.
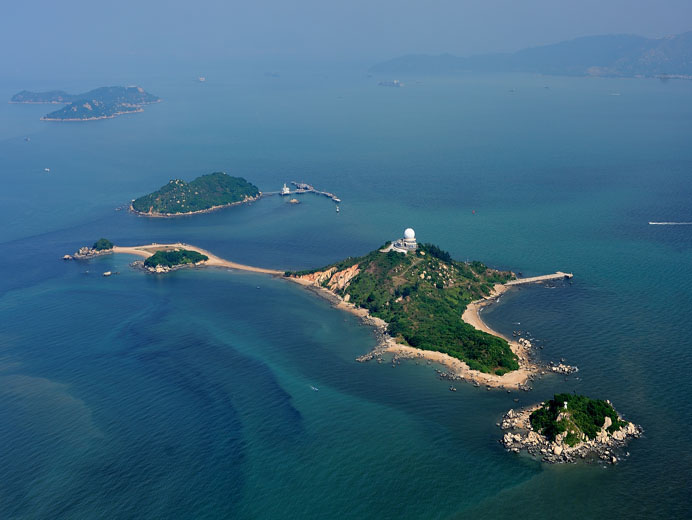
(191, 395)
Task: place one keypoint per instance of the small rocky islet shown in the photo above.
(568, 428)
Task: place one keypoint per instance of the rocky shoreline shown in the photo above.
(606, 446)
(161, 269)
(85, 253)
(78, 119)
(385, 343)
(208, 210)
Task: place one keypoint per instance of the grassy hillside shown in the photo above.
(422, 297)
(207, 191)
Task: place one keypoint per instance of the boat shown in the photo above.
(337, 209)
(285, 190)
(47, 170)
(201, 79)
(314, 388)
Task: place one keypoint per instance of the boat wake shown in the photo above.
(670, 223)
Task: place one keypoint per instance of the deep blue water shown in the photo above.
(188, 395)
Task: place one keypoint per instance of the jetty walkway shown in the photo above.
(302, 187)
(544, 278)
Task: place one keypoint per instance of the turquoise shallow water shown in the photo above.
(189, 395)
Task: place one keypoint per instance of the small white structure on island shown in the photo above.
(406, 244)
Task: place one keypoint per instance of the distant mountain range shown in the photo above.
(610, 55)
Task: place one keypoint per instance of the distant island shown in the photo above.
(608, 55)
(100, 103)
(205, 193)
(567, 428)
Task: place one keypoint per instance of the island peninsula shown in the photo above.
(204, 194)
(100, 103)
(418, 300)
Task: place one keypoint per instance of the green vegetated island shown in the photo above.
(205, 193)
(163, 261)
(100, 103)
(568, 427)
(422, 296)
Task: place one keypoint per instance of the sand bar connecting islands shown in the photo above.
(513, 379)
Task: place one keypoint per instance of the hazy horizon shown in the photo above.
(77, 35)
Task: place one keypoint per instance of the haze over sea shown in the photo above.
(189, 395)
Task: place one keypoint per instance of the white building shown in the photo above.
(406, 244)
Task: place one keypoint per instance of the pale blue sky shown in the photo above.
(34, 32)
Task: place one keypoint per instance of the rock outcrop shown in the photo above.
(84, 253)
(521, 436)
(332, 279)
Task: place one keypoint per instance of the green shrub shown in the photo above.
(102, 244)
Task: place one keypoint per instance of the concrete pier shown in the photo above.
(546, 277)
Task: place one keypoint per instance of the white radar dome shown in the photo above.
(409, 233)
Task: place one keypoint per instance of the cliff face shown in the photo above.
(335, 280)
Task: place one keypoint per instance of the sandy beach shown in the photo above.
(148, 250)
(511, 380)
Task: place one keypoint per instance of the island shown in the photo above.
(163, 261)
(100, 247)
(206, 193)
(100, 103)
(421, 295)
(567, 428)
(422, 303)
